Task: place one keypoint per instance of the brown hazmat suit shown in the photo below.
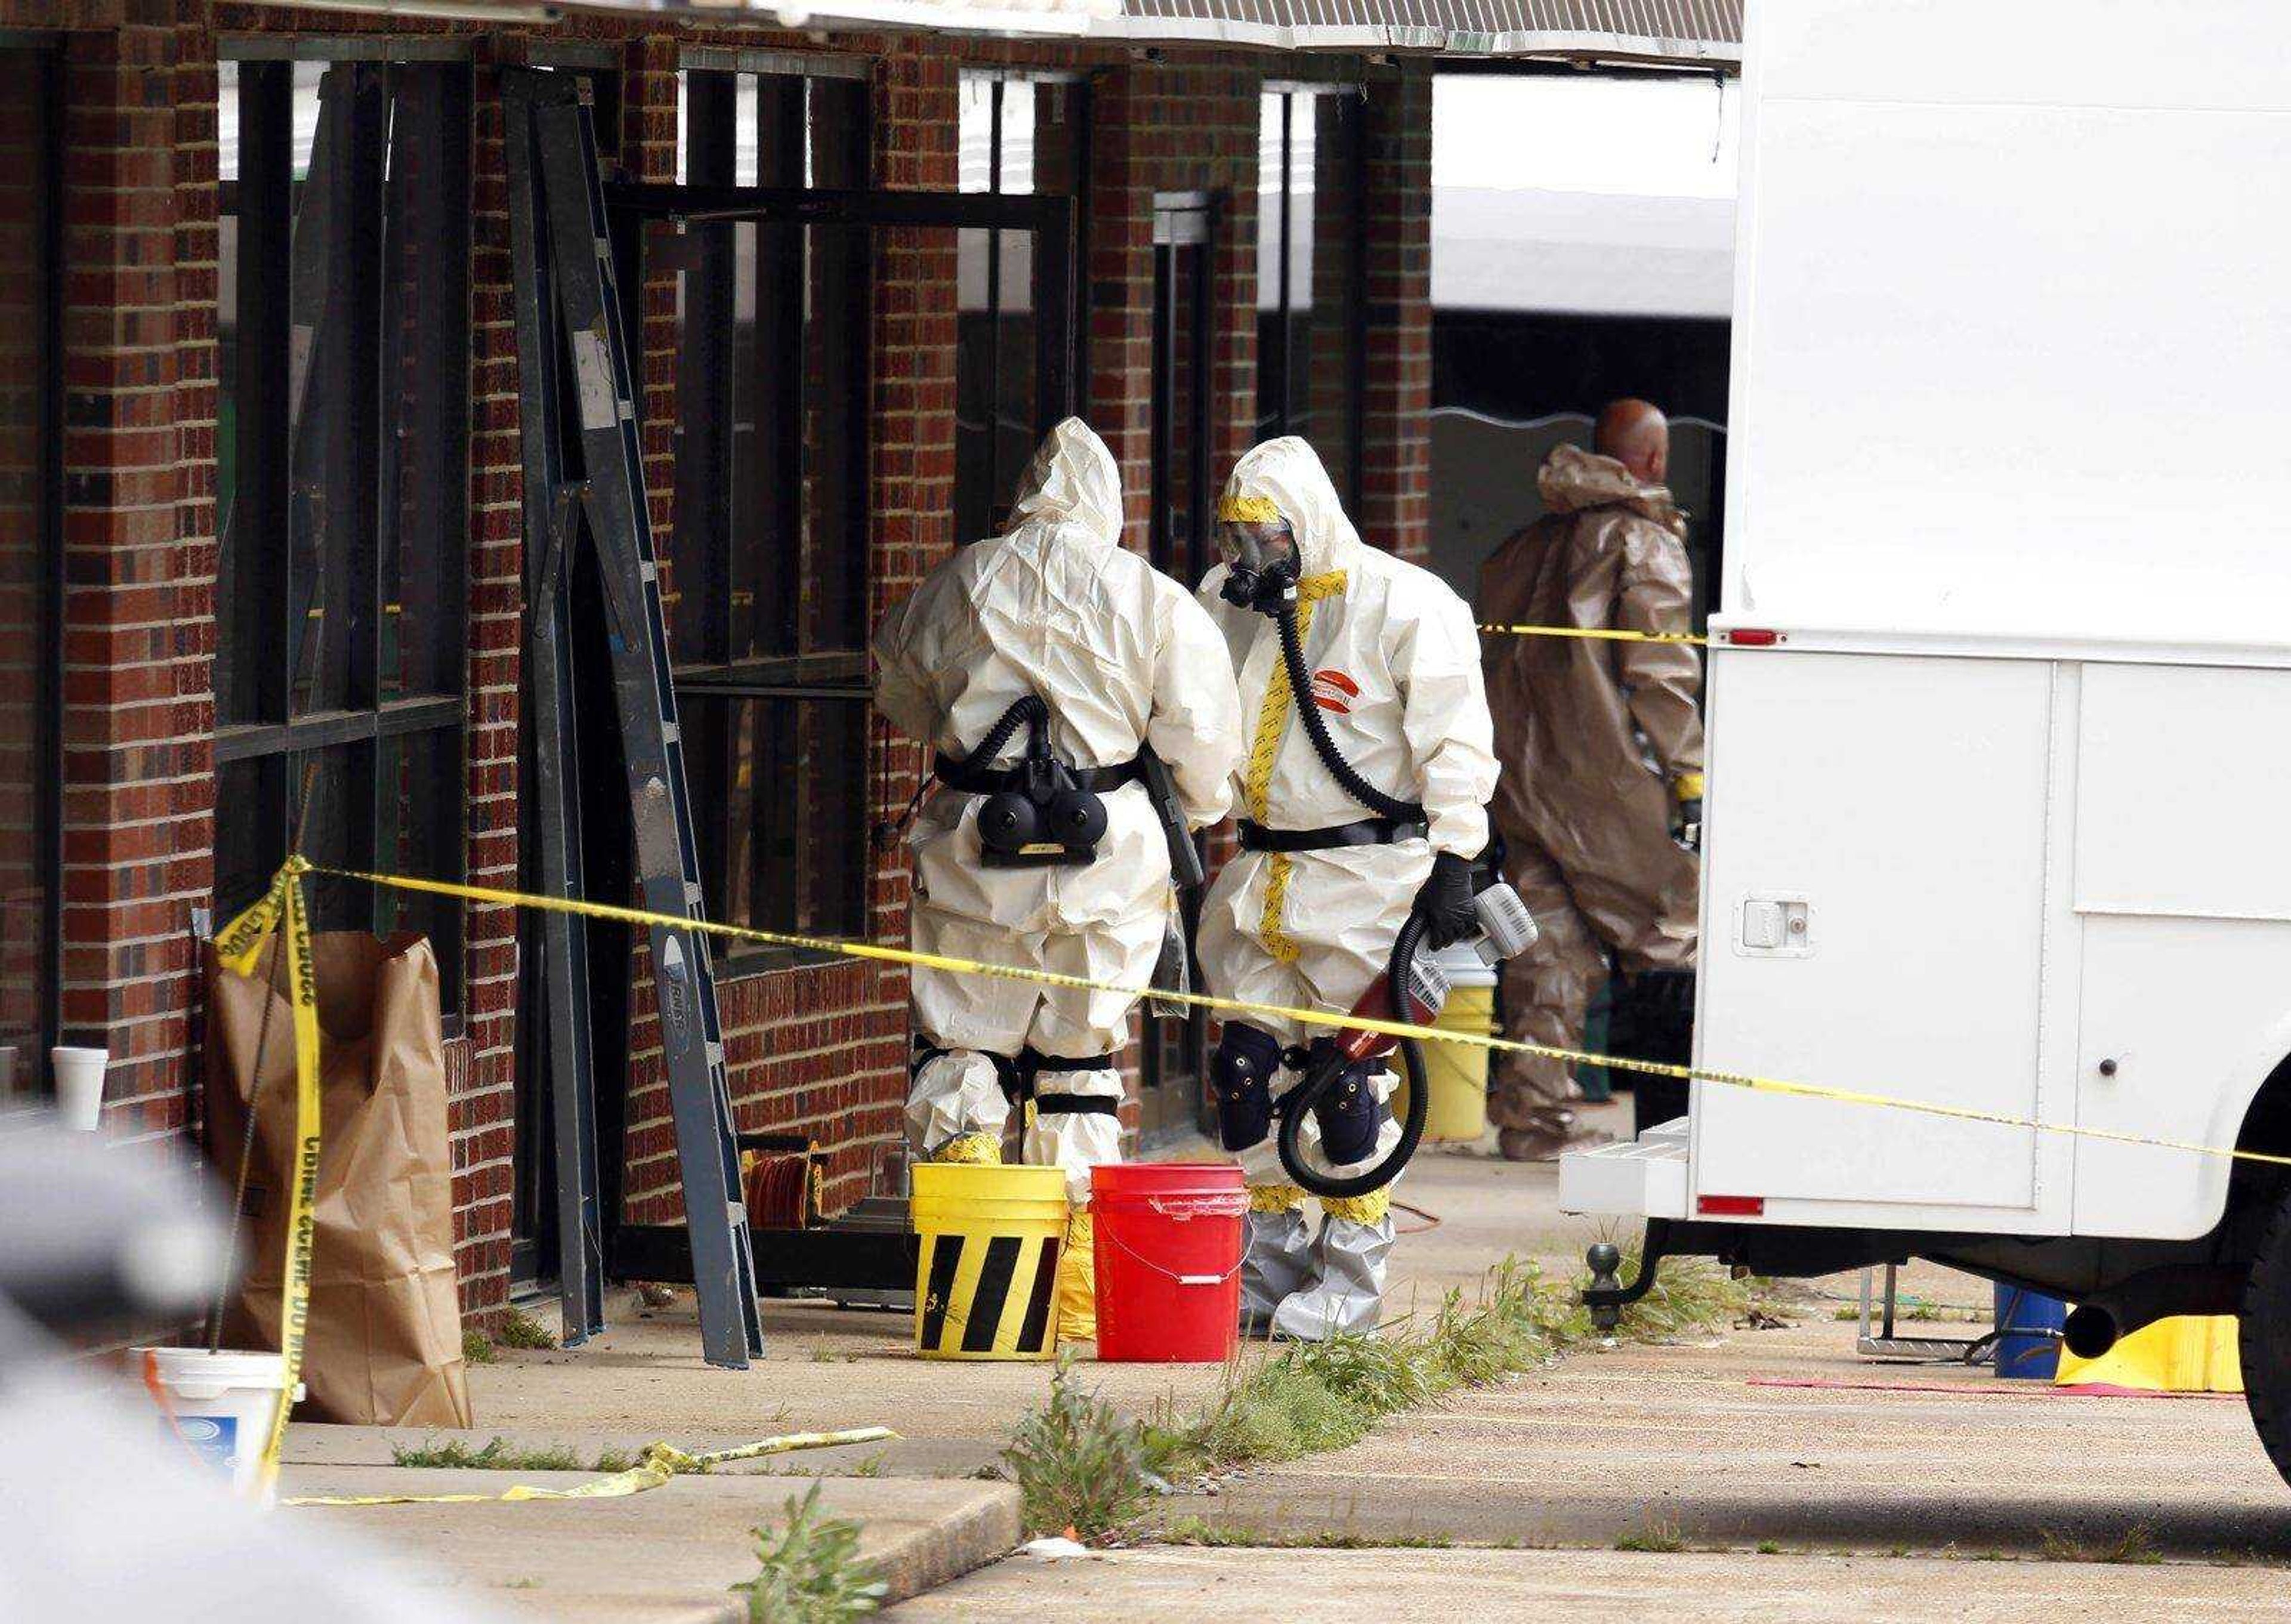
(1597, 739)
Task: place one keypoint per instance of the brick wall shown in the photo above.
(819, 1047)
(483, 1099)
(139, 362)
(1396, 439)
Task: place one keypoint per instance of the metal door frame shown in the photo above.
(1182, 221)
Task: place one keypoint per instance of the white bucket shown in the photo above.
(79, 1084)
(222, 1405)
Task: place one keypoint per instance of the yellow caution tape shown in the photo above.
(1609, 634)
(239, 947)
(1333, 1020)
(661, 1461)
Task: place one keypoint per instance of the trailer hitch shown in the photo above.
(1606, 1296)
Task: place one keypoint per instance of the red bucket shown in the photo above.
(1167, 1239)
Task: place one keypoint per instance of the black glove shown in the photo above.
(1445, 904)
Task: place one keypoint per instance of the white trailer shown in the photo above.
(2000, 698)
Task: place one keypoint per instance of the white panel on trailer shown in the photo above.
(2183, 792)
(2012, 334)
(1899, 804)
(2193, 1014)
(2150, 53)
(2184, 899)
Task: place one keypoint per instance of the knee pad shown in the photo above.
(1348, 1114)
(1240, 1075)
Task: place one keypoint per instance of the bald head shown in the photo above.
(1637, 435)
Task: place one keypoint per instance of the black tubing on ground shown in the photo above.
(1323, 1078)
(1300, 689)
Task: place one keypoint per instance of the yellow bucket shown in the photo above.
(986, 1272)
(1458, 1072)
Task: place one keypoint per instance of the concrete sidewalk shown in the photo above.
(669, 1555)
(1743, 1439)
(1320, 1587)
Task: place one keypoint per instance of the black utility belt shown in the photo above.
(1017, 1078)
(998, 780)
(1367, 832)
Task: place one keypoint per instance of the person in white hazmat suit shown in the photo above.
(1307, 914)
(1047, 640)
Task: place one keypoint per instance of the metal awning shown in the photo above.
(1701, 33)
(1705, 33)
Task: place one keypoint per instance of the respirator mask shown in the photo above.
(1260, 553)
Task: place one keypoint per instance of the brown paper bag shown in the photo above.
(385, 1339)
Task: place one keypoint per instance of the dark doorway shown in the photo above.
(1179, 532)
(31, 765)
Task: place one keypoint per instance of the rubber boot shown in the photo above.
(1276, 1252)
(1346, 1293)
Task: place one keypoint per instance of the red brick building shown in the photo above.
(260, 497)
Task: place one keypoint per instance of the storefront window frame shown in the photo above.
(261, 729)
(1275, 380)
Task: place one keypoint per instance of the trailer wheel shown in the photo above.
(2263, 1339)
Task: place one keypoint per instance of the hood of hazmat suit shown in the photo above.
(1395, 660)
(1123, 658)
(1597, 737)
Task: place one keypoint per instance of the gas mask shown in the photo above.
(1259, 552)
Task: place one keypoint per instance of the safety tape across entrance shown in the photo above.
(1333, 1020)
(1605, 634)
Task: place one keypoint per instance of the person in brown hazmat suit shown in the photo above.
(1601, 745)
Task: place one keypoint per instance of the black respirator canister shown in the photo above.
(1036, 815)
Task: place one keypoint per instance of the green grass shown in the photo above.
(1656, 1534)
(478, 1348)
(500, 1455)
(1193, 1530)
(1081, 1465)
(811, 1572)
(519, 1328)
(2135, 1547)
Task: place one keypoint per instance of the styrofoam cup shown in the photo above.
(221, 1404)
(79, 1084)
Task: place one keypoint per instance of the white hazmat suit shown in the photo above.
(1395, 659)
(1123, 658)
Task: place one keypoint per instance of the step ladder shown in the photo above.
(571, 347)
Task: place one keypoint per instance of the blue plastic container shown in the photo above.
(2029, 1334)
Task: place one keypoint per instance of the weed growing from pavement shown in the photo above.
(1083, 1466)
(1193, 1530)
(500, 1455)
(811, 1572)
(478, 1348)
(1659, 1535)
(519, 1328)
(2135, 1546)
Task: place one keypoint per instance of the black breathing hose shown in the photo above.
(1299, 1101)
(1300, 687)
(1026, 710)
